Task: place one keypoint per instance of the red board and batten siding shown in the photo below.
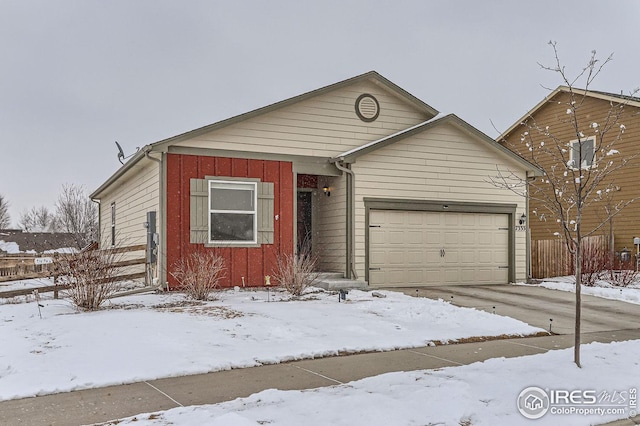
(251, 263)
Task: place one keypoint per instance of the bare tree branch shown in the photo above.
(5, 219)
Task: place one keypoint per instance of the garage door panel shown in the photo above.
(432, 256)
(396, 258)
(415, 218)
(415, 257)
(407, 247)
(415, 276)
(451, 276)
(377, 257)
(396, 276)
(376, 236)
(485, 256)
(414, 238)
(451, 219)
(452, 257)
(396, 237)
(452, 238)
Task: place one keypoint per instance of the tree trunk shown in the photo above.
(576, 349)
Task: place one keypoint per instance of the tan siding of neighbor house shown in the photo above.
(442, 163)
(554, 115)
(324, 126)
(135, 194)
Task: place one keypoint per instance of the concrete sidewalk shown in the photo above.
(102, 404)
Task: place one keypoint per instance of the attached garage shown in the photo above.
(417, 247)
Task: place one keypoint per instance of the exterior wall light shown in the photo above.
(326, 191)
(523, 219)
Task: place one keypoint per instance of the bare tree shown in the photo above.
(77, 214)
(38, 219)
(578, 174)
(5, 219)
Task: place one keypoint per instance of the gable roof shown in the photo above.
(351, 155)
(371, 76)
(611, 97)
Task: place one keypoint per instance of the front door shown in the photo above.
(305, 234)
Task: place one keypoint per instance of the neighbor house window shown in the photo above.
(232, 212)
(582, 155)
(113, 224)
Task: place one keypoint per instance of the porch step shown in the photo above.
(330, 275)
(336, 281)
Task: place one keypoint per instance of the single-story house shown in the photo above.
(383, 189)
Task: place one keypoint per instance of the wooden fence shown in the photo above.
(26, 266)
(551, 258)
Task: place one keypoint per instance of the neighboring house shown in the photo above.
(17, 241)
(595, 108)
(365, 174)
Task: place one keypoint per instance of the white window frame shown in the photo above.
(583, 165)
(250, 186)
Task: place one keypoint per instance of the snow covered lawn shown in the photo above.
(478, 394)
(602, 289)
(152, 336)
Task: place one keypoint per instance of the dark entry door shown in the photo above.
(304, 221)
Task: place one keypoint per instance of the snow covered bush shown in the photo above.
(92, 277)
(296, 272)
(199, 273)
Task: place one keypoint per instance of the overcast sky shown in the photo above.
(78, 75)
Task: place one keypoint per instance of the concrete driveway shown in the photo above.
(537, 306)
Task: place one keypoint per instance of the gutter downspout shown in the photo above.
(160, 258)
(350, 217)
(528, 231)
(99, 231)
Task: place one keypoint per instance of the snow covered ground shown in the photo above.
(630, 294)
(151, 336)
(483, 393)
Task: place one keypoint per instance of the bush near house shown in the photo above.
(296, 272)
(92, 277)
(199, 273)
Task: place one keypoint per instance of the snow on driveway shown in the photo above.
(603, 289)
(152, 336)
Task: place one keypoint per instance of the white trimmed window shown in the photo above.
(231, 211)
(233, 216)
(582, 154)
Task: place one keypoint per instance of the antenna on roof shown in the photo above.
(120, 153)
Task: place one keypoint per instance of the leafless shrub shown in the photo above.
(596, 260)
(621, 273)
(296, 272)
(91, 276)
(199, 273)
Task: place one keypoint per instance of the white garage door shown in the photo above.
(409, 248)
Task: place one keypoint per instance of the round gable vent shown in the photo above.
(367, 107)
